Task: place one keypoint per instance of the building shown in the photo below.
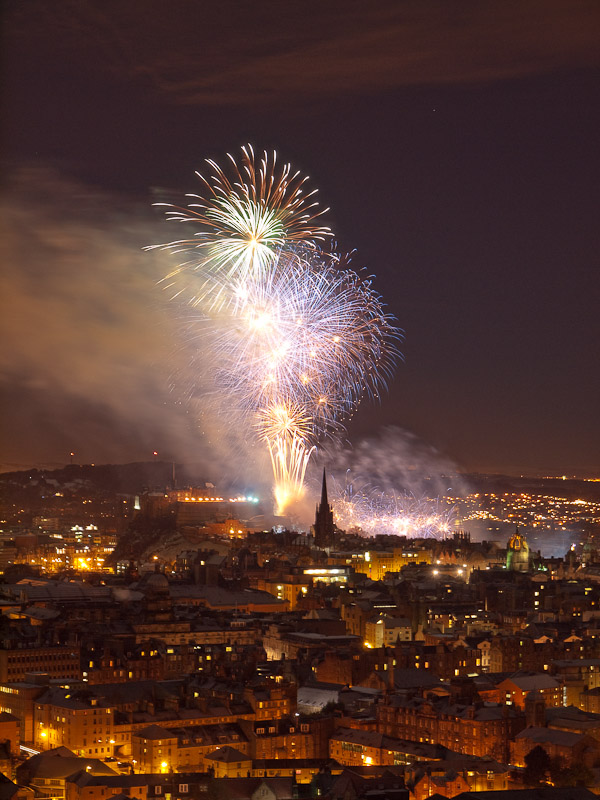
(10, 739)
(383, 630)
(569, 747)
(57, 661)
(47, 773)
(324, 527)
(19, 698)
(449, 777)
(158, 749)
(289, 737)
(472, 728)
(360, 748)
(229, 762)
(74, 719)
(183, 785)
(515, 690)
(517, 553)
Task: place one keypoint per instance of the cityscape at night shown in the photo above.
(300, 451)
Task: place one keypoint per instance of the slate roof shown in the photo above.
(116, 694)
(132, 782)
(84, 778)
(244, 788)
(411, 678)
(55, 765)
(380, 740)
(459, 761)
(74, 699)
(317, 697)
(557, 737)
(7, 788)
(539, 680)
(218, 596)
(228, 755)
(59, 592)
(155, 732)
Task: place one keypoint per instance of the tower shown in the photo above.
(535, 710)
(324, 527)
(517, 553)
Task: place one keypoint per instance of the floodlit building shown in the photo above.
(517, 553)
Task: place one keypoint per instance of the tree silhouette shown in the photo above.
(537, 766)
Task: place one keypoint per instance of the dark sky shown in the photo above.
(456, 144)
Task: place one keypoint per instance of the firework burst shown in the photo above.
(296, 351)
(308, 332)
(296, 337)
(245, 216)
(286, 430)
(372, 512)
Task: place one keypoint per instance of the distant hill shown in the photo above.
(156, 475)
(571, 488)
(110, 478)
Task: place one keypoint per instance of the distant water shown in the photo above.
(549, 543)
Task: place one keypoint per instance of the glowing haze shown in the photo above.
(393, 483)
(297, 337)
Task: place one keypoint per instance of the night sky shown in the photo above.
(457, 145)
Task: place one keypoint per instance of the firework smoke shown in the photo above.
(93, 345)
(393, 484)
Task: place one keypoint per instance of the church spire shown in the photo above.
(324, 501)
(324, 527)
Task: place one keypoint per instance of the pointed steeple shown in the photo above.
(324, 501)
(324, 527)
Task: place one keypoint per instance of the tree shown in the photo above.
(576, 775)
(537, 766)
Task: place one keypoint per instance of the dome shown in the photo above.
(155, 583)
(517, 553)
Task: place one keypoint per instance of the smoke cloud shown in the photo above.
(394, 462)
(95, 362)
(99, 363)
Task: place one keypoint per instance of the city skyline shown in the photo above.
(458, 155)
